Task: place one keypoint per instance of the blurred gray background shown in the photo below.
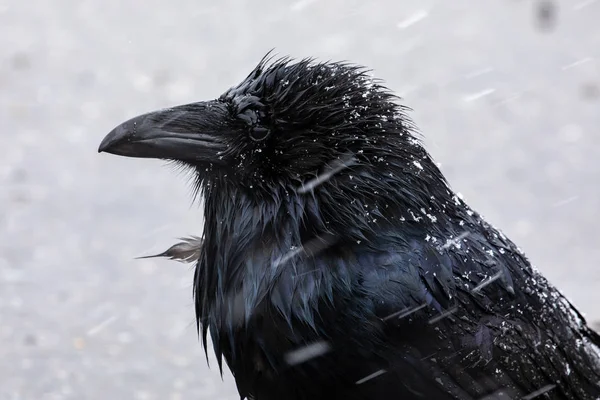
(506, 92)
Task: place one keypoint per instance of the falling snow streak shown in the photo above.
(486, 282)
(307, 352)
(443, 315)
(369, 377)
(539, 392)
(455, 241)
(565, 201)
(577, 63)
(584, 4)
(479, 95)
(404, 313)
(108, 321)
(310, 248)
(333, 168)
(413, 19)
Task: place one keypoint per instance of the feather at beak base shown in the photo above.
(186, 251)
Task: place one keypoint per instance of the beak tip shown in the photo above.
(103, 146)
(110, 140)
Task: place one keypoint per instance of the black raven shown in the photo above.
(337, 263)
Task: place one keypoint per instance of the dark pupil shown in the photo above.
(258, 133)
(254, 119)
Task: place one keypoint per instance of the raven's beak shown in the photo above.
(185, 133)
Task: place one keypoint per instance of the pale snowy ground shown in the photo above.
(508, 106)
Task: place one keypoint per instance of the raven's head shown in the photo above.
(284, 124)
(264, 153)
(274, 141)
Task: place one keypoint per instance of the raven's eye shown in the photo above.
(251, 112)
(258, 133)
